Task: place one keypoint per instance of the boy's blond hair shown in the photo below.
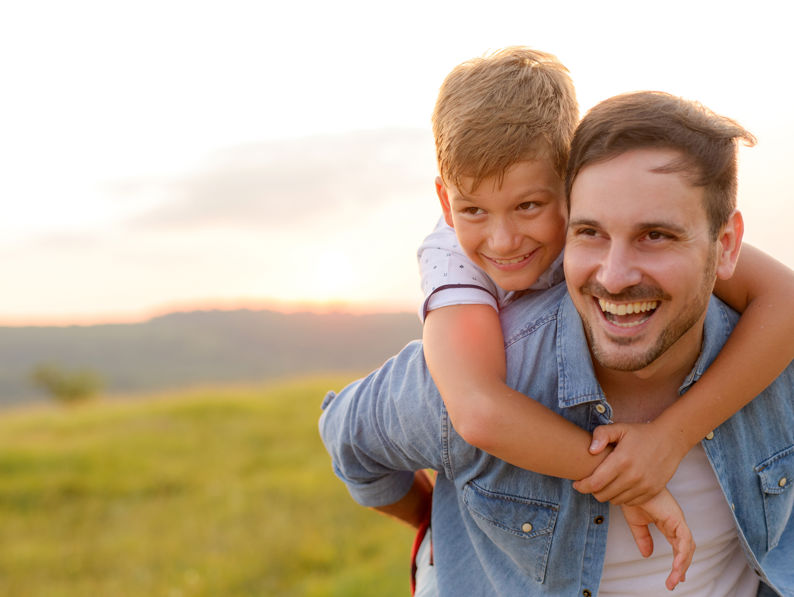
(495, 111)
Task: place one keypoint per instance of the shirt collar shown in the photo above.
(577, 381)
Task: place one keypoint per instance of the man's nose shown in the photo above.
(618, 269)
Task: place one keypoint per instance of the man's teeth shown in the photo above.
(627, 308)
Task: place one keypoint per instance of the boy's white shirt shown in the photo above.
(449, 277)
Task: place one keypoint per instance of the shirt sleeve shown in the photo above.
(382, 428)
(449, 277)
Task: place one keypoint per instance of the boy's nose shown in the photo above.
(504, 239)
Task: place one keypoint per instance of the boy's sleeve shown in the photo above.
(380, 429)
(449, 277)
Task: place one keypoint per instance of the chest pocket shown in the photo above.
(777, 483)
(520, 527)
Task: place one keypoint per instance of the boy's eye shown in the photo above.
(527, 205)
(473, 211)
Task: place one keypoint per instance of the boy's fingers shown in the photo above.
(603, 435)
(604, 474)
(643, 539)
(683, 550)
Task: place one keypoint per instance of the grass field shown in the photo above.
(206, 493)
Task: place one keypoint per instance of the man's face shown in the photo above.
(513, 231)
(639, 261)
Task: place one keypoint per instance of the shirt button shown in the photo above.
(598, 520)
(526, 527)
(586, 593)
(601, 408)
(710, 435)
(782, 482)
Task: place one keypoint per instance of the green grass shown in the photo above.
(207, 493)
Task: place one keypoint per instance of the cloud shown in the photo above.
(275, 184)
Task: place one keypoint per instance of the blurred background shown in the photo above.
(170, 155)
(210, 212)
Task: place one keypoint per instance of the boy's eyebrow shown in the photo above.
(527, 193)
(464, 197)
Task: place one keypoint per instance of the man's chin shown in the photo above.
(620, 353)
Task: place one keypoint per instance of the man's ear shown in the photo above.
(441, 191)
(730, 243)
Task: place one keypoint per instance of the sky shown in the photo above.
(175, 155)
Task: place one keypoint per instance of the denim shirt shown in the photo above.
(502, 530)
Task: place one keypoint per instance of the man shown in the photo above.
(652, 224)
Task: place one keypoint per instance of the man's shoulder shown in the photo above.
(531, 311)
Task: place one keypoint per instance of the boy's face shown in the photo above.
(513, 231)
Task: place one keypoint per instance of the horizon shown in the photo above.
(296, 307)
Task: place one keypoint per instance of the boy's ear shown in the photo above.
(730, 243)
(441, 191)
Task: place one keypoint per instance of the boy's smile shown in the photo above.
(513, 230)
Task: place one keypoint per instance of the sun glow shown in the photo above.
(334, 277)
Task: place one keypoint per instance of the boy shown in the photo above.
(502, 126)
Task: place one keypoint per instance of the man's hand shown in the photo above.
(644, 459)
(666, 514)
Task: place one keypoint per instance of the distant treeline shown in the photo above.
(197, 347)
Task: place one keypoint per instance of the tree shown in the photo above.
(66, 386)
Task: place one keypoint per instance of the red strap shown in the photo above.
(420, 535)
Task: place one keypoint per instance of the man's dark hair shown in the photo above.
(651, 119)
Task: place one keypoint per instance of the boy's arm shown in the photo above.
(464, 350)
(414, 507)
(757, 351)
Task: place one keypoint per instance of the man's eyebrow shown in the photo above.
(583, 222)
(671, 226)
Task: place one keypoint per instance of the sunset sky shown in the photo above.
(166, 155)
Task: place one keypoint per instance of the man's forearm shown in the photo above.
(414, 506)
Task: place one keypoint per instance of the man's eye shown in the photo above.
(587, 232)
(656, 235)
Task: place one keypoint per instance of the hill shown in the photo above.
(201, 347)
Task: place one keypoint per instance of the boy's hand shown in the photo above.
(643, 461)
(666, 514)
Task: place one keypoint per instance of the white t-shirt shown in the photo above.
(719, 568)
(449, 277)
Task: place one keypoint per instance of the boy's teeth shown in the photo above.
(509, 261)
(627, 308)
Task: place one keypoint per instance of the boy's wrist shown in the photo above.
(677, 434)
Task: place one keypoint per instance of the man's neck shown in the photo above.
(640, 396)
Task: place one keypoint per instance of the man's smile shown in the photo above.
(627, 315)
